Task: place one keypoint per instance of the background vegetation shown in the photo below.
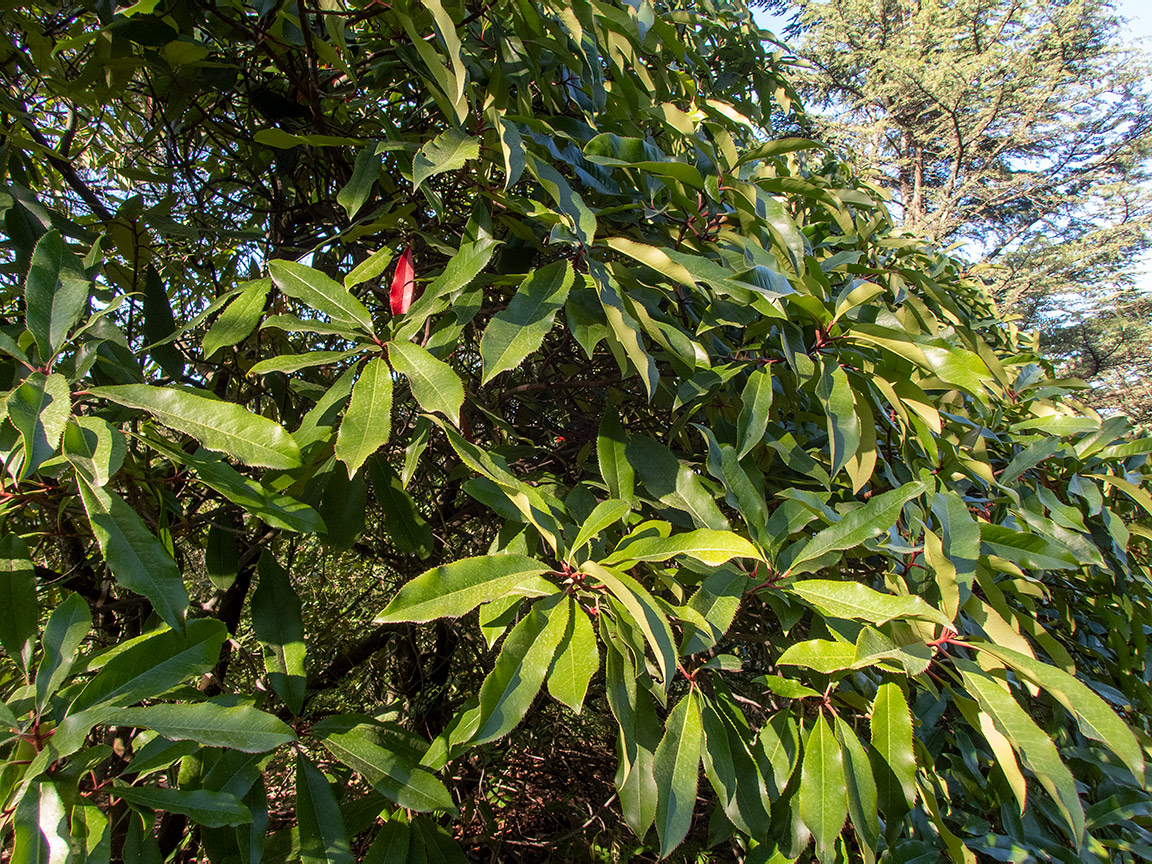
(440, 430)
(1020, 132)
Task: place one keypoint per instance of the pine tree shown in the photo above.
(1019, 130)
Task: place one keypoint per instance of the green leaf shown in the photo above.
(705, 545)
(639, 737)
(323, 839)
(160, 326)
(434, 384)
(859, 602)
(40, 827)
(455, 589)
(451, 150)
(277, 622)
(393, 843)
(224, 427)
(577, 659)
(1096, 720)
(616, 151)
(55, 293)
(645, 613)
(369, 268)
(861, 786)
(39, 409)
(356, 742)
(19, 615)
(95, 448)
(67, 628)
(239, 727)
(238, 319)
(778, 147)
(136, 558)
(892, 754)
(823, 789)
(364, 172)
(859, 525)
(510, 688)
(581, 220)
(279, 511)
(615, 468)
(676, 767)
(367, 423)
(151, 666)
(732, 770)
(602, 516)
(785, 687)
(1036, 749)
(321, 293)
(821, 655)
(517, 331)
(289, 363)
(210, 809)
(402, 521)
(1026, 550)
(756, 401)
(835, 394)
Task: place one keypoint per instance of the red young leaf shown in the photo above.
(402, 284)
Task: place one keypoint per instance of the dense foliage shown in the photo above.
(1022, 131)
(372, 369)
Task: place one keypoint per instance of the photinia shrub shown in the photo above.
(400, 396)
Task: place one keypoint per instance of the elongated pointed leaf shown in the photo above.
(19, 616)
(434, 384)
(733, 772)
(823, 789)
(508, 691)
(448, 151)
(756, 402)
(861, 787)
(645, 612)
(352, 740)
(95, 448)
(577, 659)
(154, 664)
(402, 521)
(210, 809)
(863, 523)
(278, 625)
(517, 331)
(55, 293)
(893, 757)
(676, 767)
(279, 511)
(1035, 748)
(239, 727)
(859, 602)
(68, 626)
(321, 293)
(40, 826)
(615, 468)
(705, 545)
(602, 516)
(238, 319)
(455, 589)
(39, 409)
(136, 558)
(323, 839)
(221, 426)
(1096, 719)
(367, 423)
